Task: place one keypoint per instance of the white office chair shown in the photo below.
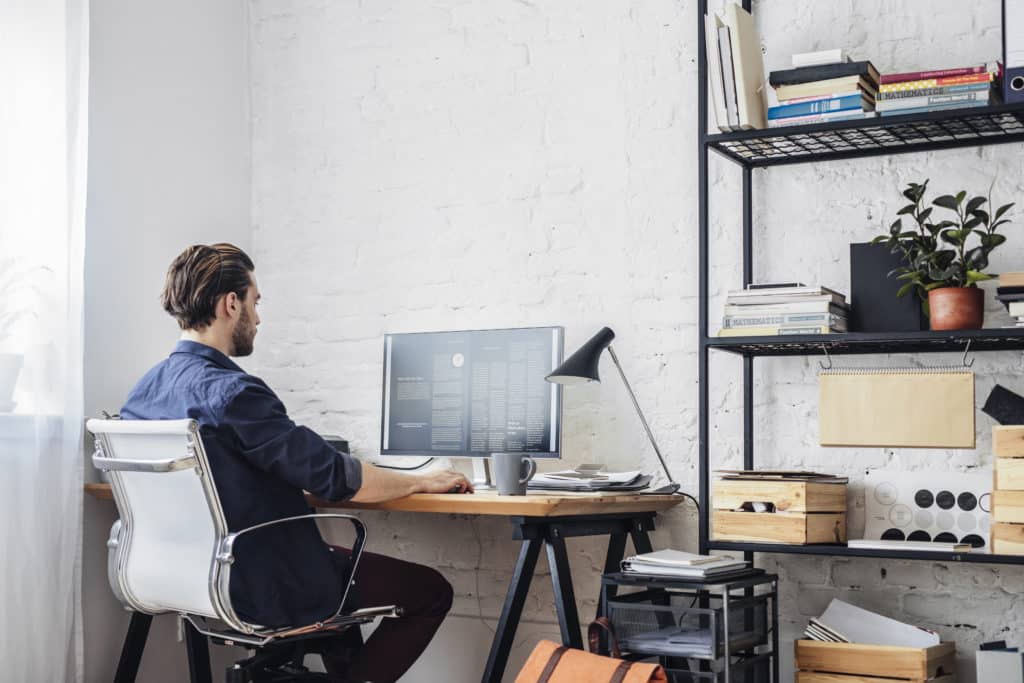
(171, 552)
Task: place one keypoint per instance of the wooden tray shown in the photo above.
(848, 662)
(786, 496)
(779, 527)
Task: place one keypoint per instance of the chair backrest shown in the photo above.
(172, 523)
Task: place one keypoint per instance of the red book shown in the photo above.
(923, 75)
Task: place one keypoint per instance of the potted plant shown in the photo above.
(943, 261)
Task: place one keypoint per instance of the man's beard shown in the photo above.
(243, 336)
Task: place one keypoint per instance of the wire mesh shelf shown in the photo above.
(869, 137)
(993, 339)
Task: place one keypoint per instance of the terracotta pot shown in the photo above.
(957, 308)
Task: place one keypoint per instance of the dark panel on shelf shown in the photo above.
(842, 550)
(995, 339)
(871, 137)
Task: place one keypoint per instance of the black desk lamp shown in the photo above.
(581, 367)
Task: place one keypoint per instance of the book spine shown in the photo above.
(813, 98)
(935, 82)
(941, 73)
(809, 74)
(846, 103)
(933, 100)
(729, 76)
(939, 90)
(933, 108)
(730, 321)
(819, 118)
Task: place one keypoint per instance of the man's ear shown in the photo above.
(232, 305)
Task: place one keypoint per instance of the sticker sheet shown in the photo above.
(950, 507)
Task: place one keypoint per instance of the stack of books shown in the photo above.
(679, 564)
(917, 92)
(1011, 293)
(823, 90)
(790, 308)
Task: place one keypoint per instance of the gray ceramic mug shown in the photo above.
(511, 472)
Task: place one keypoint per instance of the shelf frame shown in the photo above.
(844, 551)
(884, 135)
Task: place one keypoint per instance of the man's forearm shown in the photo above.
(382, 484)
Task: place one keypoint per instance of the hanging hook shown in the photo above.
(964, 359)
(827, 357)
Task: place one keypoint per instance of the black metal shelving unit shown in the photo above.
(996, 124)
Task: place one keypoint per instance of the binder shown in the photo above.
(1013, 51)
(897, 407)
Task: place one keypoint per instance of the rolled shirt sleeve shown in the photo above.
(272, 442)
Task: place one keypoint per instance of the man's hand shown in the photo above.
(445, 481)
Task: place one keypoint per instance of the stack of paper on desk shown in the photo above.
(845, 623)
(576, 480)
(680, 564)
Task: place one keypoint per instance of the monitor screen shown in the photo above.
(472, 393)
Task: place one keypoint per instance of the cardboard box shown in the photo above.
(819, 662)
(1007, 539)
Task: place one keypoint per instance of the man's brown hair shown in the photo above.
(199, 276)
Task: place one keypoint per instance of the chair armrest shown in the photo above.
(226, 553)
(158, 466)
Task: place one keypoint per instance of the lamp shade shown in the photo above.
(581, 366)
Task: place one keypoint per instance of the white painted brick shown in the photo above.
(456, 165)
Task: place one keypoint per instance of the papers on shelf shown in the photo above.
(846, 623)
(922, 546)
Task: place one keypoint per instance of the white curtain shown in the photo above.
(43, 132)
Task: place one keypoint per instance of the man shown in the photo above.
(261, 461)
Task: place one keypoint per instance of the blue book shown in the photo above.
(845, 103)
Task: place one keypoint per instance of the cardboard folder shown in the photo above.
(911, 407)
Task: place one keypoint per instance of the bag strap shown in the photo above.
(594, 637)
(620, 673)
(553, 660)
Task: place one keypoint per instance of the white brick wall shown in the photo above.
(457, 164)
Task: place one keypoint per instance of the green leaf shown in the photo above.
(960, 196)
(923, 216)
(951, 237)
(1002, 209)
(983, 215)
(935, 285)
(974, 276)
(908, 209)
(946, 201)
(906, 289)
(974, 204)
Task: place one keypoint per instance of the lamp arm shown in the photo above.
(643, 420)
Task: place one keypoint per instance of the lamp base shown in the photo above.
(666, 490)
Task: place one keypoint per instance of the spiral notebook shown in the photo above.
(897, 407)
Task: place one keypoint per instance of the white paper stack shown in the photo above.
(845, 623)
(676, 563)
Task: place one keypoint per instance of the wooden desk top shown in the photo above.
(487, 503)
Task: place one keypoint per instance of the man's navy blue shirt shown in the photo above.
(261, 463)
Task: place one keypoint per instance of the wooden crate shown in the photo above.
(1009, 474)
(819, 677)
(1008, 441)
(787, 496)
(1007, 539)
(795, 528)
(1008, 506)
(805, 512)
(819, 662)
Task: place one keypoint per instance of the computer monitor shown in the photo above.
(472, 393)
